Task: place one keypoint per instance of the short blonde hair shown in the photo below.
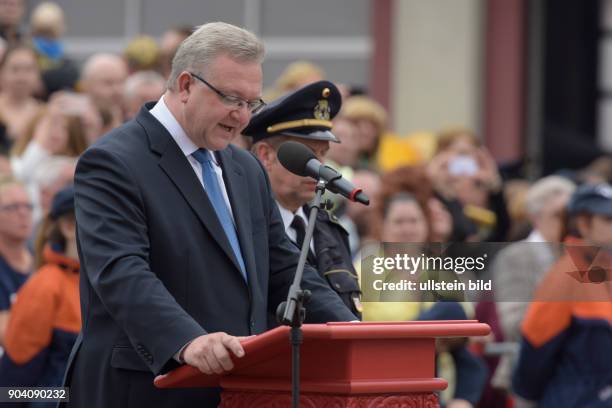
(141, 53)
(293, 76)
(362, 107)
(48, 20)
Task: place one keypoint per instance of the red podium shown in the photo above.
(342, 365)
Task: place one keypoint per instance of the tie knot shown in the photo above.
(298, 223)
(201, 155)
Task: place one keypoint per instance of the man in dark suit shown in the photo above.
(304, 116)
(181, 244)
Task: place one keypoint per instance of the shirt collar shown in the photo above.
(161, 112)
(288, 216)
(535, 236)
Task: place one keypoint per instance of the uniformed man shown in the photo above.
(305, 116)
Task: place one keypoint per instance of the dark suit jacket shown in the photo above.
(158, 271)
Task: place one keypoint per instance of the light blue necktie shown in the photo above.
(216, 198)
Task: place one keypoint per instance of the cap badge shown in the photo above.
(322, 111)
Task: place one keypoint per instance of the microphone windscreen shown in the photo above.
(294, 156)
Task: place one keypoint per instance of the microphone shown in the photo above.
(300, 160)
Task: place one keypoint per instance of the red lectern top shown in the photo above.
(351, 358)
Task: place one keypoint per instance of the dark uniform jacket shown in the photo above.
(334, 261)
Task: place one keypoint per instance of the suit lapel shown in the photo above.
(237, 191)
(174, 163)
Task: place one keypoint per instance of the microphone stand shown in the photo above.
(292, 312)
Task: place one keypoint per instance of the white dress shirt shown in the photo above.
(161, 112)
(287, 217)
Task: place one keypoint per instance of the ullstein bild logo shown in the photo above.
(593, 264)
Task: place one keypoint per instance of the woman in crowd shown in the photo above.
(465, 176)
(46, 318)
(19, 80)
(370, 121)
(378, 148)
(57, 130)
(408, 219)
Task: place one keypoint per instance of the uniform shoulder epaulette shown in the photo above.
(327, 215)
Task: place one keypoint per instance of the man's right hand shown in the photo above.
(210, 353)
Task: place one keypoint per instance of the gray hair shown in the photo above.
(211, 40)
(140, 78)
(546, 189)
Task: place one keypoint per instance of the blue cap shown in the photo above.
(63, 203)
(592, 199)
(305, 113)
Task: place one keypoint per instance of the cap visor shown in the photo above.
(324, 135)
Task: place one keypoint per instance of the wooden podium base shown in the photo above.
(241, 399)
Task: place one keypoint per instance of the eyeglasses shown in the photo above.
(16, 206)
(233, 101)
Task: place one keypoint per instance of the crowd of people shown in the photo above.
(437, 187)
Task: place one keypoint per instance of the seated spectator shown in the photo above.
(46, 318)
(19, 78)
(564, 359)
(141, 87)
(48, 27)
(102, 79)
(16, 261)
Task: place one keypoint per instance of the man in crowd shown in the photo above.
(141, 87)
(16, 260)
(305, 116)
(182, 246)
(102, 78)
(518, 268)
